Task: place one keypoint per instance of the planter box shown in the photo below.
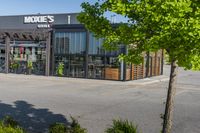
(128, 74)
(112, 73)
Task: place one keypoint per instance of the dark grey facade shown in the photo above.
(57, 44)
(17, 22)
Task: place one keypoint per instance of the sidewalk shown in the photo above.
(144, 81)
(147, 81)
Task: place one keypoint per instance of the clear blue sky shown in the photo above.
(16, 7)
(21, 7)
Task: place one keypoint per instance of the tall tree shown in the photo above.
(152, 25)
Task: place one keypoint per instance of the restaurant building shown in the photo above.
(40, 42)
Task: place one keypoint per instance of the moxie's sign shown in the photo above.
(38, 19)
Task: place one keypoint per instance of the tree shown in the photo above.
(172, 25)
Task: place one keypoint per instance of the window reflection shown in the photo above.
(95, 45)
(70, 43)
(70, 49)
(96, 67)
(73, 65)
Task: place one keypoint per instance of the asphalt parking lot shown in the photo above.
(36, 102)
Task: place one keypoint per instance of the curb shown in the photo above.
(147, 81)
(144, 81)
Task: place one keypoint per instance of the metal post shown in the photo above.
(124, 74)
(7, 54)
(86, 53)
(155, 64)
(147, 64)
(122, 70)
(124, 63)
(162, 62)
(52, 54)
(48, 50)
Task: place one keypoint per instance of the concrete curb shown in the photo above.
(147, 81)
(144, 81)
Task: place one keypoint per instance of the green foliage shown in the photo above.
(9, 125)
(58, 128)
(196, 63)
(152, 25)
(120, 126)
(5, 129)
(14, 65)
(166, 58)
(29, 64)
(9, 121)
(60, 69)
(74, 127)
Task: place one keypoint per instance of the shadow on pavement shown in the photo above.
(32, 119)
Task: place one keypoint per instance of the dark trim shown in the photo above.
(69, 26)
(48, 54)
(147, 64)
(52, 53)
(124, 67)
(131, 74)
(151, 72)
(86, 53)
(70, 30)
(162, 62)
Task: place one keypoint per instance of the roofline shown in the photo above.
(39, 14)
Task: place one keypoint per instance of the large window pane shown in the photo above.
(70, 43)
(95, 45)
(96, 67)
(73, 65)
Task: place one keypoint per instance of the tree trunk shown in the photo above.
(167, 122)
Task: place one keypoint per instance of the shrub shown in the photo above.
(58, 128)
(120, 126)
(60, 69)
(29, 64)
(9, 125)
(5, 129)
(9, 121)
(74, 127)
(14, 65)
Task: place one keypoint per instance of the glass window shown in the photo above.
(73, 65)
(96, 67)
(70, 43)
(95, 45)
